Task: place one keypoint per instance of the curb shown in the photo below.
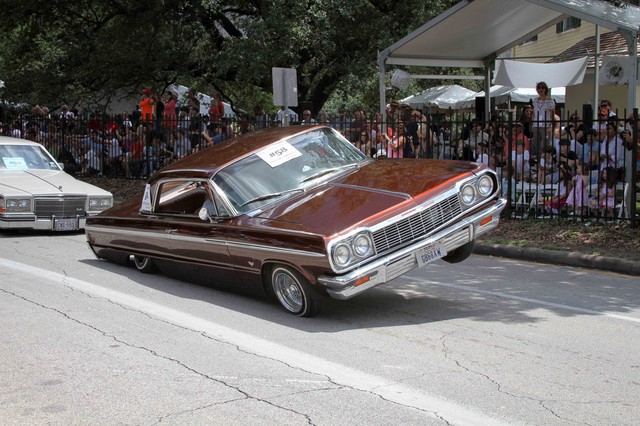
(558, 257)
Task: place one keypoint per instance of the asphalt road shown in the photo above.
(487, 341)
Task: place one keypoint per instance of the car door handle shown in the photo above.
(171, 231)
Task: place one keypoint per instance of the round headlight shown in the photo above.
(468, 194)
(362, 245)
(485, 185)
(341, 255)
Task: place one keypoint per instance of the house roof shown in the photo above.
(611, 43)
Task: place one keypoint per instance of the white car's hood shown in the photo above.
(44, 182)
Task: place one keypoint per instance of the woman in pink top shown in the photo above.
(395, 146)
(170, 111)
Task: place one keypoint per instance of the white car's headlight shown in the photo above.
(352, 250)
(15, 205)
(100, 203)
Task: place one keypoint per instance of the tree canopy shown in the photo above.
(74, 52)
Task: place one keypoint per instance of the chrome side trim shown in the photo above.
(260, 247)
(219, 242)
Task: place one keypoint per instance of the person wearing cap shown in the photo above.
(146, 106)
(392, 113)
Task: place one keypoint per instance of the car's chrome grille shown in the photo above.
(417, 225)
(60, 206)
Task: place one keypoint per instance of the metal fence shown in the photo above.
(560, 168)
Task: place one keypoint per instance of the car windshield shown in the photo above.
(23, 157)
(286, 167)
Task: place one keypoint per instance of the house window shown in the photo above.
(567, 24)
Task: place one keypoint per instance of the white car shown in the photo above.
(36, 193)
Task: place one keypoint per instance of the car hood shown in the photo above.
(375, 192)
(44, 182)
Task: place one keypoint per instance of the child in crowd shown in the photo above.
(604, 200)
(520, 161)
(562, 192)
(547, 167)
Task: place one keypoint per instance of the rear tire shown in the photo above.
(295, 294)
(461, 253)
(145, 265)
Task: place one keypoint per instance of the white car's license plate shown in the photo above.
(65, 224)
(430, 253)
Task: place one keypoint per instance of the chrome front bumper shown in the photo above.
(400, 262)
(40, 224)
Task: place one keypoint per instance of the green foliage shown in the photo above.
(56, 51)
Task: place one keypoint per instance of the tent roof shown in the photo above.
(441, 96)
(481, 29)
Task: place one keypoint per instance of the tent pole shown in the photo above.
(382, 58)
(596, 76)
(487, 90)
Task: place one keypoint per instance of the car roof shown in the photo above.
(6, 140)
(207, 162)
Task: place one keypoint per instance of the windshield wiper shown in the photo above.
(272, 195)
(327, 171)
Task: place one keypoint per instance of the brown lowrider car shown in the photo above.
(301, 212)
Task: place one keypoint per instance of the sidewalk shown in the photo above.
(557, 257)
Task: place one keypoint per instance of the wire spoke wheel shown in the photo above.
(294, 292)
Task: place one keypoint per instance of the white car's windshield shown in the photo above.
(285, 168)
(23, 157)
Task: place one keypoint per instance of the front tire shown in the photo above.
(295, 294)
(145, 265)
(461, 253)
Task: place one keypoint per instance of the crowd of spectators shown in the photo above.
(571, 155)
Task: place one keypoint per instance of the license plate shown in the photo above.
(430, 253)
(65, 224)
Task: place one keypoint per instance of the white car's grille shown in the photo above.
(417, 225)
(60, 206)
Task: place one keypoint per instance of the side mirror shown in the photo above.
(208, 211)
(204, 214)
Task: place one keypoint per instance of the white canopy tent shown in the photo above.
(505, 94)
(473, 33)
(442, 97)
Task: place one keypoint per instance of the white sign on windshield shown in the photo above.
(279, 153)
(14, 163)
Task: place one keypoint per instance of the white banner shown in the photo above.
(528, 74)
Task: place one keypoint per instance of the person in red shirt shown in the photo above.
(216, 110)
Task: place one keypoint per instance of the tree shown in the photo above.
(55, 51)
